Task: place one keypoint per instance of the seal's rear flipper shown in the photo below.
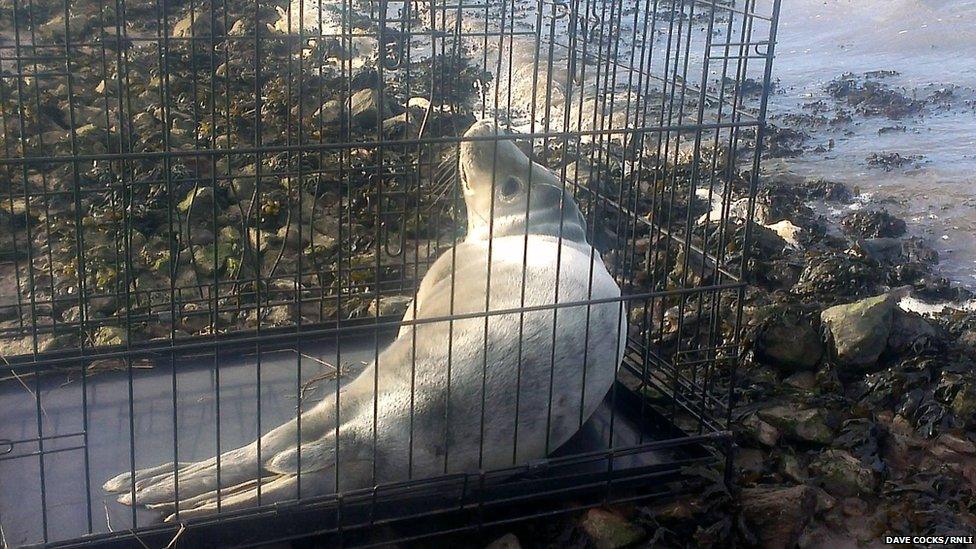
(123, 482)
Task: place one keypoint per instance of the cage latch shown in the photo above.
(6, 446)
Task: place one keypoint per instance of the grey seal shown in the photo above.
(479, 392)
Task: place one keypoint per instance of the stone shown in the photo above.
(401, 126)
(296, 236)
(832, 277)
(910, 332)
(278, 315)
(788, 231)
(508, 541)
(89, 132)
(885, 250)
(830, 191)
(13, 211)
(198, 204)
(201, 236)
(843, 475)
(391, 305)
(366, 108)
(241, 27)
(196, 24)
(194, 319)
(789, 343)
(749, 464)
(873, 224)
(63, 341)
(798, 423)
(854, 507)
(103, 304)
(956, 444)
(261, 241)
(778, 515)
(365, 78)
(776, 200)
(218, 256)
(859, 331)
(964, 405)
(79, 21)
(805, 381)
(9, 309)
(608, 530)
(825, 501)
(762, 432)
(330, 113)
(109, 335)
(967, 340)
(792, 468)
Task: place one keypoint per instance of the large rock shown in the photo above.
(761, 431)
(80, 21)
(330, 113)
(883, 250)
(789, 343)
(843, 475)
(218, 256)
(608, 530)
(197, 24)
(830, 191)
(749, 465)
(778, 516)
(859, 331)
(109, 335)
(910, 332)
(836, 277)
(873, 224)
(366, 108)
(390, 305)
(198, 204)
(798, 423)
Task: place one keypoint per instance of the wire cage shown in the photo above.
(215, 213)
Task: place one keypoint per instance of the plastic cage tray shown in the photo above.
(582, 472)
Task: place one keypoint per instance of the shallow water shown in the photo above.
(932, 44)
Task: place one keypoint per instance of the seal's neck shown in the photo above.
(546, 223)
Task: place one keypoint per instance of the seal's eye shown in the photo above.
(510, 187)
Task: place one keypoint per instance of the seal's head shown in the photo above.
(506, 193)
